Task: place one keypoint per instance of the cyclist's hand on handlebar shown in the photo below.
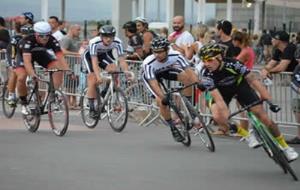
(273, 107)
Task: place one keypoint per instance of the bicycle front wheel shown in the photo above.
(117, 110)
(58, 113)
(32, 120)
(274, 151)
(202, 132)
(8, 110)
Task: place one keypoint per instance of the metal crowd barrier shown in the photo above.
(139, 98)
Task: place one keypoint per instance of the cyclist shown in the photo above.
(168, 64)
(99, 56)
(43, 48)
(232, 78)
(23, 27)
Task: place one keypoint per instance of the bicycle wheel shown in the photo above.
(203, 132)
(88, 121)
(117, 110)
(2, 86)
(274, 151)
(32, 120)
(8, 110)
(58, 113)
(182, 125)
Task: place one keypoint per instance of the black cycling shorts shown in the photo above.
(104, 60)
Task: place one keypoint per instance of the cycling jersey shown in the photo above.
(229, 79)
(13, 53)
(103, 52)
(155, 70)
(43, 55)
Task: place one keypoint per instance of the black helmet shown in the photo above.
(107, 30)
(159, 43)
(130, 26)
(209, 51)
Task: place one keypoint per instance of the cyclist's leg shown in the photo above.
(57, 76)
(187, 77)
(21, 87)
(11, 87)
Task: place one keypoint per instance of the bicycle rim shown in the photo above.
(85, 110)
(32, 120)
(58, 113)
(182, 125)
(8, 110)
(117, 110)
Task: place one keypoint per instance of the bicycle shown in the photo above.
(187, 115)
(54, 104)
(269, 143)
(111, 102)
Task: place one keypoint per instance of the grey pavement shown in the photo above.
(139, 158)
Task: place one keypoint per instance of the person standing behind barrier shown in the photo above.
(4, 34)
(146, 34)
(135, 42)
(223, 31)
(70, 45)
(180, 37)
(54, 23)
(266, 42)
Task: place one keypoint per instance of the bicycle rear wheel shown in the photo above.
(58, 113)
(88, 121)
(32, 120)
(202, 132)
(274, 151)
(2, 86)
(117, 110)
(8, 110)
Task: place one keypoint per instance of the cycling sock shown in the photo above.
(243, 132)
(282, 141)
(23, 100)
(91, 103)
(12, 94)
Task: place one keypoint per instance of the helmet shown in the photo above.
(42, 27)
(209, 51)
(141, 19)
(130, 26)
(28, 15)
(159, 43)
(107, 30)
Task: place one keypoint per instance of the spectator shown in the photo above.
(180, 37)
(223, 31)
(135, 42)
(54, 23)
(163, 32)
(146, 34)
(4, 35)
(62, 26)
(266, 42)
(70, 45)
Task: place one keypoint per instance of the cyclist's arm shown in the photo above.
(156, 88)
(27, 58)
(258, 86)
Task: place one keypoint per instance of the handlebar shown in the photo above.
(273, 107)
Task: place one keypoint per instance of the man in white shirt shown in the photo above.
(180, 37)
(54, 23)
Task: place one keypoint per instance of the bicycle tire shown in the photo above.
(32, 120)
(8, 110)
(278, 155)
(56, 108)
(85, 110)
(117, 103)
(2, 86)
(182, 126)
(209, 143)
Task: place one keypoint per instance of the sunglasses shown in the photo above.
(44, 36)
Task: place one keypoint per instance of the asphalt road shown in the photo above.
(139, 158)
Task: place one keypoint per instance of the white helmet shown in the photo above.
(42, 27)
